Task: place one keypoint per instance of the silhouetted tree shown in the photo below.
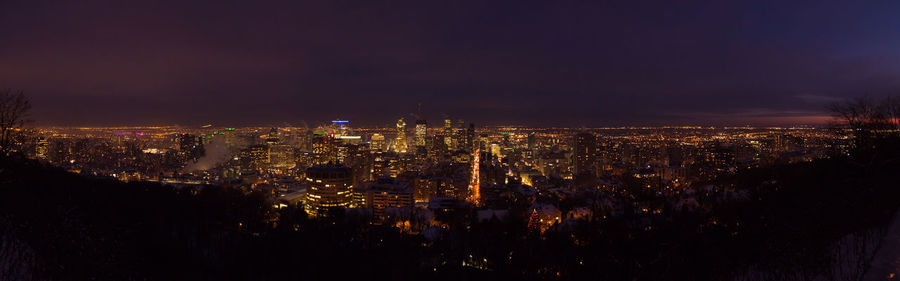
(873, 125)
(14, 108)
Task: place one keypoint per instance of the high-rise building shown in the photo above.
(329, 189)
(281, 157)
(41, 148)
(421, 131)
(340, 127)
(323, 147)
(190, 146)
(377, 142)
(400, 144)
(585, 152)
(532, 141)
(448, 133)
(230, 137)
(459, 136)
(470, 137)
(388, 193)
(255, 157)
(358, 158)
(386, 164)
(274, 137)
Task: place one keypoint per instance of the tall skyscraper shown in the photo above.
(329, 189)
(470, 137)
(448, 133)
(585, 152)
(41, 148)
(421, 131)
(400, 144)
(323, 147)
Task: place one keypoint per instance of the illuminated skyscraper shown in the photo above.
(329, 189)
(448, 133)
(41, 148)
(323, 149)
(459, 135)
(421, 131)
(585, 152)
(377, 142)
(255, 157)
(281, 157)
(400, 144)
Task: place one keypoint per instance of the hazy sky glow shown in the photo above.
(573, 63)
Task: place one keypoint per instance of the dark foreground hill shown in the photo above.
(823, 219)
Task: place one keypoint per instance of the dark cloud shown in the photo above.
(579, 63)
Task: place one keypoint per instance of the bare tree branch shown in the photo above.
(14, 112)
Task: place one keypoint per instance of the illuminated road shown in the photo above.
(475, 182)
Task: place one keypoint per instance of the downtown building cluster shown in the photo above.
(416, 177)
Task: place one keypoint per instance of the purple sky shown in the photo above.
(571, 63)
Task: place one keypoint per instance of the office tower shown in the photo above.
(585, 152)
(532, 141)
(386, 164)
(230, 137)
(438, 149)
(281, 157)
(358, 158)
(400, 144)
(41, 148)
(388, 193)
(329, 189)
(190, 146)
(470, 137)
(496, 151)
(255, 157)
(343, 152)
(340, 127)
(427, 187)
(448, 133)
(421, 131)
(459, 135)
(323, 147)
(274, 137)
(377, 142)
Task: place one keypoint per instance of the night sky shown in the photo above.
(571, 63)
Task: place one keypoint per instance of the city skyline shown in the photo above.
(449, 140)
(532, 63)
